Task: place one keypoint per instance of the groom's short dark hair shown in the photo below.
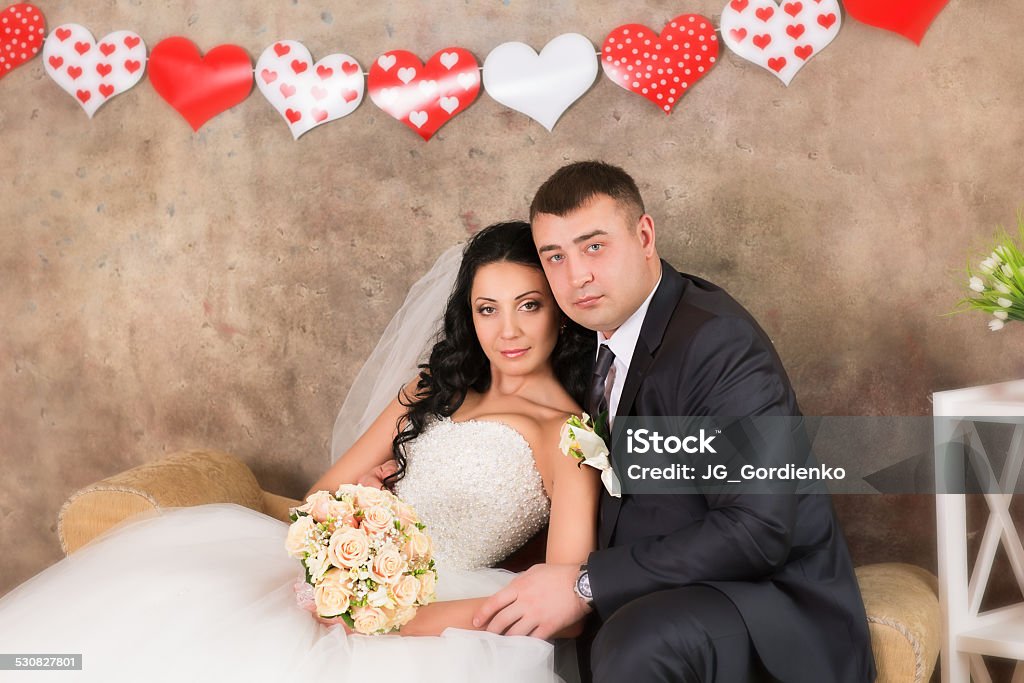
(572, 186)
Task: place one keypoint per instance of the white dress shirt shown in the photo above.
(623, 343)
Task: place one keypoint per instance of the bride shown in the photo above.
(206, 593)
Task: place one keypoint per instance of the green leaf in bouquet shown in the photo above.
(347, 618)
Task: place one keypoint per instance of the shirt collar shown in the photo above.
(623, 341)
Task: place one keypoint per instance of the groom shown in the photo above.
(694, 587)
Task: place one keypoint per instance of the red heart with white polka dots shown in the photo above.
(22, 29)
(663, 67)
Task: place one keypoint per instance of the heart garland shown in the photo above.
(22, 28)
(305, 93)
(200, 87)
(424, 96)
(541, 86)
(661, 67)
(92, 72)
(780, 37)
(910, 18)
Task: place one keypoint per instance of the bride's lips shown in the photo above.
(587, 301)
(514, 353)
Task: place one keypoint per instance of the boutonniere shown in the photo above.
(580, 439)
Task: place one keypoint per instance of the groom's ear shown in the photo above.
(645, 233)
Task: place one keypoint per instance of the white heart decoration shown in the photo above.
(306, 94)
(541, 86)
(780, 36)
(93, 72)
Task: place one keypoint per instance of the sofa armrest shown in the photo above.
(277, 506)
(183, 479)
(902, 606)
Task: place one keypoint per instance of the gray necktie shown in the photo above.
(597, 403)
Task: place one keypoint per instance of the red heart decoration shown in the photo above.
(424, 96)
(200, 87)
(910, 18)
(22, 29)
(662, 67)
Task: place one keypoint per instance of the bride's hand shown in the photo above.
(332, 621)
(375, 479)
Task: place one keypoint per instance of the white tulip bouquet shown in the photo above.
(996, 286)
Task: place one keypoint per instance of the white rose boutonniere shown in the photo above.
(580, 440)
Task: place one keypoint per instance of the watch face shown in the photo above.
(583, 584)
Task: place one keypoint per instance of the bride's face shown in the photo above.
(515, 316)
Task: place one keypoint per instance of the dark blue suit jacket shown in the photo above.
(781, 559)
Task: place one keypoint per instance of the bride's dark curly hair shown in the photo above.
(457, 362)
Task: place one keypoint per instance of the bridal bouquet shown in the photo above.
(581, 439)
(997, 286)
(366, 557)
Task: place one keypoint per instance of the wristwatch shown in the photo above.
(582, 586)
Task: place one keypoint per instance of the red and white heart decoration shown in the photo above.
(425, 96)
(22, 29)
(661, 67)
(92, 72)
(544, 85)
(780, 36)
(305, 93)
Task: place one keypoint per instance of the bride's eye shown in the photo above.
(485, 310)
(530, 305)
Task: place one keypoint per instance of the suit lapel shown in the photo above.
(659, 312)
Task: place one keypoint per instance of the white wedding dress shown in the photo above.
(206, 593)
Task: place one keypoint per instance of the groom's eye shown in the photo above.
(594, 247)
(555, 258)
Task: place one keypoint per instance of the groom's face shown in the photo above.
(599, 260)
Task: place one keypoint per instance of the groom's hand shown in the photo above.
(540, 602)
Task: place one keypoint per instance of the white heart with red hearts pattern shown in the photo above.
(780, 36)
(92, 72)
(307, 94)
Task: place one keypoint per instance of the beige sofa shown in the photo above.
(901, 602)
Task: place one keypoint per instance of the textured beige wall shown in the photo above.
(161, 289)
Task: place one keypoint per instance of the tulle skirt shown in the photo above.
(205, 594)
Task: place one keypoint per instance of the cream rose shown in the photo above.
(406, 590)
(300, 538)
(348, 548)
(346, 490)
(387, 566)
(406, 514)
(403, 616)
(428, 584)
(332, 595)
(367, 497)
(368, 619)
(343, 512)
(377, 519)
(318, 505)
(418, 546)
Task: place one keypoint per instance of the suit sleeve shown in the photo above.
(728, 370)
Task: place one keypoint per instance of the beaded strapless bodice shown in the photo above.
(476, 487)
